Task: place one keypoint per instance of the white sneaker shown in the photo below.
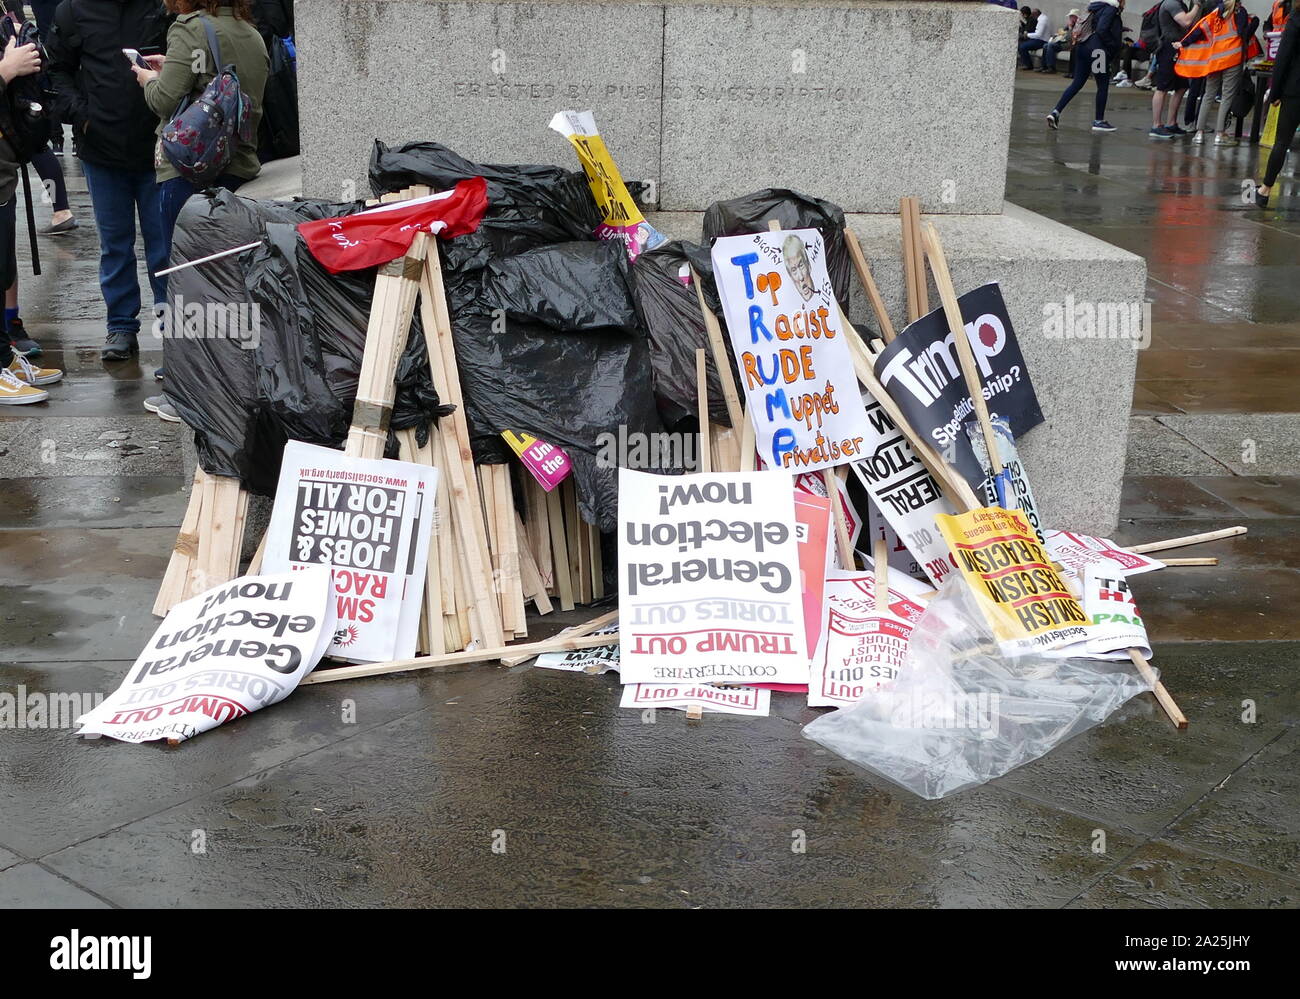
(16, 392)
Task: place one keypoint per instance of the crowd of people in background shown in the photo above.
(1197, 52)
(118, 72)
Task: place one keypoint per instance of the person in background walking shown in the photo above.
(1216, 49)
(186, 71)
(1174, 19)
(98, 96)
(1101, 35)
(1036, 39)
(1285, 92)
(20, 380)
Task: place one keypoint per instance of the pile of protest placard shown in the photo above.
(856, 527)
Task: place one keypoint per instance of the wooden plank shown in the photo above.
(597, 563)
(560, 548)
(842, 544)
(433, 637)
(909, 261)
(965, 355)
(869, 284)
(538, 530)
(514, 652)
(511, 579)
(721, 362)
(702, 411)
(533, 586)
(1190, 539)
(184, 550)
(479, 599)
(586, 628)
(397, 289)
(488, 493)
(579, 553)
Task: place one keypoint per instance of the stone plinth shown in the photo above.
(863, 102)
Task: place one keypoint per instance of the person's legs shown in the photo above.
(1288, 121)
(1103, 88)
(1192, 104)
(157, 241)
(1049, 57)
(1173, 104)
(51, 173)
(1211, 87)
(1027, 48)
(172, 195)
(1230, 82)
(112, 198)
(1076, 84)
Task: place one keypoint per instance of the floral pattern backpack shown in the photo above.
(200, 139)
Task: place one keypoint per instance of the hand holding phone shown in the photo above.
(135, 57)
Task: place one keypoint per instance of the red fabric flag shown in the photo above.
(376, 236)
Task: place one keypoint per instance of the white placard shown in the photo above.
(905, 493)
(788, 338)
(360, 516)
(220, 655)
(709, 578)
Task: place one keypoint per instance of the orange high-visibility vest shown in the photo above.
(1276, 19)
(1221, 50)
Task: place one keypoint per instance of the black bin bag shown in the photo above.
(670, 311)
(548, 340)
(292, 370)
(792, 210)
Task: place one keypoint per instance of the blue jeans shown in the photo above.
(176, 191)
(118, 197)
(1049, 55)
(1028, 46)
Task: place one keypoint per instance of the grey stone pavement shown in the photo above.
(295, 807)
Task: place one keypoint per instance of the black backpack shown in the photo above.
(1149, 33)
(25, 115)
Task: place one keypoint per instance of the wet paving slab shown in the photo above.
(590, 805)
(1163, 875)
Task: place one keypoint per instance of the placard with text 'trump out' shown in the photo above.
(787, 334)
(709, 579)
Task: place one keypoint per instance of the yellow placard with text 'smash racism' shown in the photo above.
(1025, 600)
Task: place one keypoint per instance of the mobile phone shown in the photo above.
(135, 57)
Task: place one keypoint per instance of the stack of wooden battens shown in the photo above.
(499, 540)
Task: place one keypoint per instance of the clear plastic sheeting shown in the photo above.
(961, 713)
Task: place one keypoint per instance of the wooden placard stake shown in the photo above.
(966, 356)
(1191, 539)
(869, 284)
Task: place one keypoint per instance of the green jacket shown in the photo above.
(187, 47)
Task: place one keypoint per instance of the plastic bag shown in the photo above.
(289, 366)
(792, 210)
(961, 713)
(664, 292)
(547, 339)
